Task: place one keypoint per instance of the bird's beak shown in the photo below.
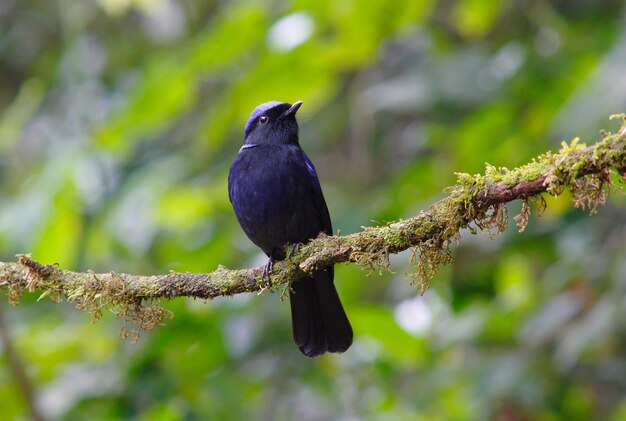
(293, 109)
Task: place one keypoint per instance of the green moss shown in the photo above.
(573, 167)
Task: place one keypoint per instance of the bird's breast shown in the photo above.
(271, 196)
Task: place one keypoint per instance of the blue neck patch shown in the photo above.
(248, 146)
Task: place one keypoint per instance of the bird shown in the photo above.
(278, 202)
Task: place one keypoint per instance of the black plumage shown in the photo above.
(278, 201)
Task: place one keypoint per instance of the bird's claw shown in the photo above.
(294, 248)
(267, 270)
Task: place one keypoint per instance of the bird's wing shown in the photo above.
(318, 196)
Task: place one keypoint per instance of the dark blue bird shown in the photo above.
(278, 201)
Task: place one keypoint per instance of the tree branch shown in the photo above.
(476, 202)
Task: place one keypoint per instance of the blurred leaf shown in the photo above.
(379, 324)
(474, 18)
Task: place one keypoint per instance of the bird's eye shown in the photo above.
(263, 119)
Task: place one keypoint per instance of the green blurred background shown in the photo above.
(119, 120)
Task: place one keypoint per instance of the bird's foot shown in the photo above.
(294, 248)
(267, 270)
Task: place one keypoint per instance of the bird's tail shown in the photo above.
(319, 322)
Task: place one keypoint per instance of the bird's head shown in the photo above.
(272, 123)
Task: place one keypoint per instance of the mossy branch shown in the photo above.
(477, 202)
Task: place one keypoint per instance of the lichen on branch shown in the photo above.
(477, 203)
